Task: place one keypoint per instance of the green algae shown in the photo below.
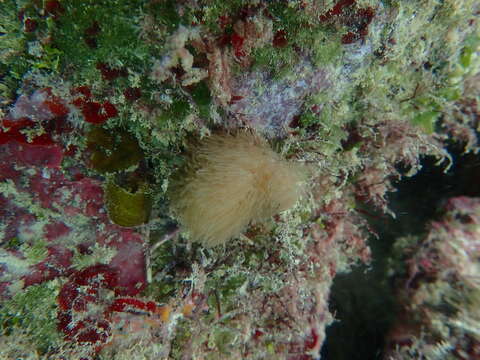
(166, 14)
(36, 252)
(201, 96)
(98, 31)
(326, 48)
(13, 244)
(276, 60)
(212, 10)
(97, 254)
(31, 313)
(227, 287)
(224, 340)
(426, 120)
(14, 61)
(302, 31)
(177, 111)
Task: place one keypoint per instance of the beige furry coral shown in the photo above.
(230, 181)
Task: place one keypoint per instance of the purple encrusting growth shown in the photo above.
(32, 107)
(269, 105)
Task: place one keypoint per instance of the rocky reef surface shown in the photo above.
(100, 101)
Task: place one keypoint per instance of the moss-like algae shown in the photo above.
(112, 27)
(201, 96)
(31, 314)
(14, 61)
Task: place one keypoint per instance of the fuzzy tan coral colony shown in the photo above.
(229, 182)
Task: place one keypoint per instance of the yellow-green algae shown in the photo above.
(127, 208)
(113, 150)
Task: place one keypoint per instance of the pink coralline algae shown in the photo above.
(85, 311)
(40, 200)
(40, 152)
(64, 202)
(53, 215)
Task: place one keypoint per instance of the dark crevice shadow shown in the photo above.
(363, 300)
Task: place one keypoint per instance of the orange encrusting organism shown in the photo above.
(230, 181)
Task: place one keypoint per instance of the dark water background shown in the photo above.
(363, 300)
